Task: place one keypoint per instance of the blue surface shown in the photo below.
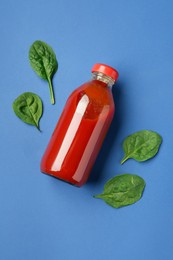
(43, 218)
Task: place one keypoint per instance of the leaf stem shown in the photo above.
(51, 92)
(38, 128)
(100, 196)
(124, 159)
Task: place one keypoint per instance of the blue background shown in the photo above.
(43, 218)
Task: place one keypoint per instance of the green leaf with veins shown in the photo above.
(141, 145)
(28, 107)
(43, 61)
(122, 190)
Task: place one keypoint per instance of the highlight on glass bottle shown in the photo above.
(81, 129)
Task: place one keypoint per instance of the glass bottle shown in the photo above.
(81, 129)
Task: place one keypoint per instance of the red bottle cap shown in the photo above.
(105, 69)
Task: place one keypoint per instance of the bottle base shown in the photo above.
(52, 175)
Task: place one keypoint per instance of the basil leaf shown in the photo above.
(122, 190)
(141, 145)
(43, 61)
(28, 107)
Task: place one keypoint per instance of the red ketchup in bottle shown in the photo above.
(81, 129)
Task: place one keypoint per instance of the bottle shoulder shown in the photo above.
(95, 89)
(98, 97)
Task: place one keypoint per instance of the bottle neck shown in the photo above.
(104, 78)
